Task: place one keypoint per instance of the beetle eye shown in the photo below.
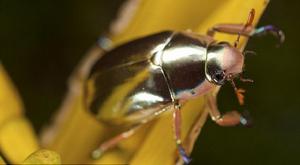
(219, 77)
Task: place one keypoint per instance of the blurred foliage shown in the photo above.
(42, 41)
(2, 162)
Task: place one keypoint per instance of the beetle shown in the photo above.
(135, 82)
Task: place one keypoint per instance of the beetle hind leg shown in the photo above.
(111, 143)
(228, 119)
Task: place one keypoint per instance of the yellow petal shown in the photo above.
(43, 157)
(78, 135)
(17, 140)
(10, 102)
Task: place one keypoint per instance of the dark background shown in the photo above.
(42, 41)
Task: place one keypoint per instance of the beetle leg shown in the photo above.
(228, 119)
(177, 132)
(97, 153)
(247, 31)
(230, 29)
(269, 29)
(193, 133)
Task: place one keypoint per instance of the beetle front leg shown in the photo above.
(230, 29)
(177, 132)
(111, 143)
(228, 119)
(247, 31)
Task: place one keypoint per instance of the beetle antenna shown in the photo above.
(248, 23)
(239, 92)
(246, 79)
(250, 52)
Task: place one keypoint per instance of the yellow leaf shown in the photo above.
(10, 102)
(17, 140)
(43, 157)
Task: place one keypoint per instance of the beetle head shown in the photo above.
(223, 62)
